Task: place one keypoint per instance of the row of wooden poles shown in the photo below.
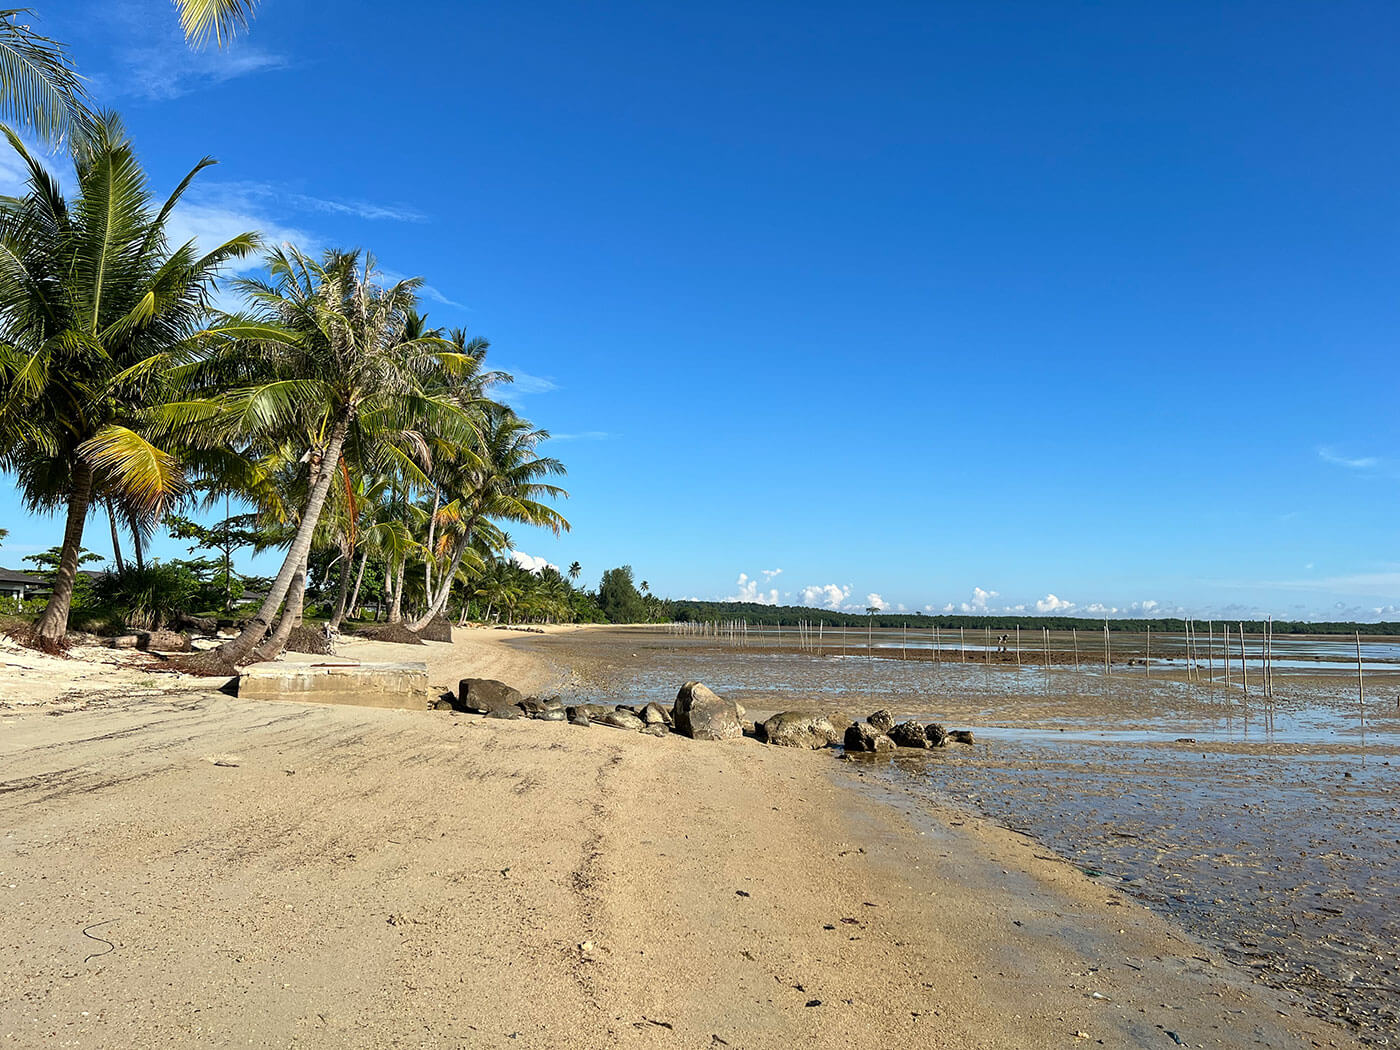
(812, 636)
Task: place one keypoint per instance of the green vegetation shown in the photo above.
(360, 441)
(98, 323)
(791, 615)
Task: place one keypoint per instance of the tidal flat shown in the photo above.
(1267, 827)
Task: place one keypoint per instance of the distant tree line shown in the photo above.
(791, 615)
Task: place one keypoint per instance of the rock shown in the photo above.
(438, 629)
(961, 736)
(553, 703)
(484, 695)
(937, 735)
(882, 720)
(505, 712)
(909, 734)
(578, 716)
(867, 738)
(798, 729)
(552, 714)
(655, 715)
(739, 708)
(594, 712)
(531, 705)
(163, 641)
(442, 704)
(623, 719)
(657, 729)
(701, 715)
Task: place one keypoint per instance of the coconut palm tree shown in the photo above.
(575, 571)
(39, 88)
(321, 361)
(96, 313)
(505, 483)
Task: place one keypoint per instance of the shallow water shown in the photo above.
(1270, 829)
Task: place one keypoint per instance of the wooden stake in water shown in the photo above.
(1047, 649)
(1074, 635)
(1018, 645)
(962, 642)
(987, 653)
(1147, 660)
(1244, 664)
(1210, 650)
(906, 642)
(937, 646)
(1360, 696)
(1225, 655)
(1107, 656)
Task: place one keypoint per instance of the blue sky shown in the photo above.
(1071, 306)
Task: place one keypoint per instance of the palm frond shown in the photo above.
(38, 85)
(220, 19)
(146, 477)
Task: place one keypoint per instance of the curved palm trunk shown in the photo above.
(53, 625)
(116, 539)
(237, 650)
(445, 589)
(291, 617)
(345, 602)
(359, 579)
(396, 606)
(428, 551)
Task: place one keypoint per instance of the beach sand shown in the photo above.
(179, 867)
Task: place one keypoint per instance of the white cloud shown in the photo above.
(829, 596)
(768, 574)
(749, 592)
(530, 562)
(874, 601)
(211, 223)
(584, 435)
(978, 603)
(1051, 604)
(1328, 455)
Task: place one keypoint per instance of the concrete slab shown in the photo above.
(394, 685)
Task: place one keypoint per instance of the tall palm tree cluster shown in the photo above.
(325, 402)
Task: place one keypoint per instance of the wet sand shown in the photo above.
(1269, 830)
(185, 868)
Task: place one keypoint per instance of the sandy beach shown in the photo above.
(181, 867)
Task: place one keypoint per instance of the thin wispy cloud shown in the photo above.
(1329, 455)
(586, 435)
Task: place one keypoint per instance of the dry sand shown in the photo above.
(183, 868)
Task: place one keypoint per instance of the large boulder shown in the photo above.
(798, 729)
(551, 714)
(909, 734)
(882, 720)
(861, 737)
(937, 735)
(484, 695)
(701, 715)
(623, 719)
(578, 717)
(961, 736)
